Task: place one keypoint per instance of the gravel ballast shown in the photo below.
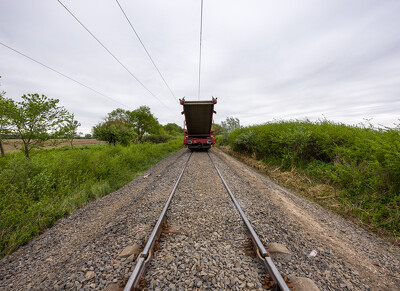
(205, 245)
(210, 250)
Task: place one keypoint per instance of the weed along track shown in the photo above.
(204, 243)
(207, 238)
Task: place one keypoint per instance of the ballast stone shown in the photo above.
(175, 229)
(89, 275)
(278, 250)
(129, 250)
(303, 284)
(113, 287)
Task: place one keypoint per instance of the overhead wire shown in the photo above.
(144, 47)
(64, 75)
(201, 32)
(147, 89)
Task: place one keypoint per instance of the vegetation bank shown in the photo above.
(357, 166)
(35, 192)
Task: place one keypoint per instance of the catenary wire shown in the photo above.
(147, 89)
(201, 32)
(64, 75)
(151, 59)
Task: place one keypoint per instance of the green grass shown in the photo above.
(35, 192)
(363, 163)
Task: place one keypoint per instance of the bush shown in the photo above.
(35, 192)
(220, 140)
(245, 142)
(173, 129)
(157, 138)
(363, 162)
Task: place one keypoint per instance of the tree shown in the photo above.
(227, 126)
(113, 131)
(121, 126)
(173, 129)
(115, 128)
(217, 129)
(142, 121)
(70, 129)
(118, 114)
(38, 119)
(6, 108)
(230, 124)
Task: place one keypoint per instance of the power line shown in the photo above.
(151, 59)
(62, 74)
(201, 32)
(147, 89)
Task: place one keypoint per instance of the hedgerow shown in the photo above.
(35, 192)
(363, 162)
(157, 138)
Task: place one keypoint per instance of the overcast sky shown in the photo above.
(264, 60)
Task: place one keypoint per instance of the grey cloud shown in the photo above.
(263, 59)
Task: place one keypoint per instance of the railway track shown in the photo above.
(204, 245)
(143, 260)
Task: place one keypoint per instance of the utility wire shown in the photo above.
(147, 89)
(201, 32)
(141, 42)
(62, 74)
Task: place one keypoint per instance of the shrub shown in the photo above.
(245, 142)
(220, 140)
(363, 162)
(157, 138)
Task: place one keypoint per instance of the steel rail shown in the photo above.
(145, 256)
(261, 251)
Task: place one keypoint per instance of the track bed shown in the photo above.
(209, 247)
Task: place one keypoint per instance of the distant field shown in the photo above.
(13, 145)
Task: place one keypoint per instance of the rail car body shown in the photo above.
(198, 123)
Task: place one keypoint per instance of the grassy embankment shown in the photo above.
(35, 192)
(352, 170)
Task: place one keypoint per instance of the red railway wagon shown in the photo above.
(198, 123)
